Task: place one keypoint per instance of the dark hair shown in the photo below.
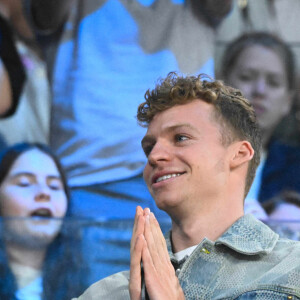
(285, 197)
(63, 263)
(232, 111)
(9, 155)
(265, 39)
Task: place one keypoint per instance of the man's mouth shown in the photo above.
(167, 176)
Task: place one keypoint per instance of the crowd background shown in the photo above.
(86, 65)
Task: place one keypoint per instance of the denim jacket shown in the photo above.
(248, 261)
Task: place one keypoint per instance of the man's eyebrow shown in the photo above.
(149, 139)
(181, 125)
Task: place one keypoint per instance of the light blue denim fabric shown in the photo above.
(248, 261)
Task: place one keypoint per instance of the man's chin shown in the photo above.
(166, 203)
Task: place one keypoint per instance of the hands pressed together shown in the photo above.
(149, 247)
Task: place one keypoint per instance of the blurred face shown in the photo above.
(260, 74)
(33, 190)
(186, 159)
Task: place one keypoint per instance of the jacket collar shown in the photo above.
(247, 236)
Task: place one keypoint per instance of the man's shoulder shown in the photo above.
(114, 287)
(286, 248)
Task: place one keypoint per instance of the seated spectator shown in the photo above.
(262, 67)
(203, 146)
(36, 260)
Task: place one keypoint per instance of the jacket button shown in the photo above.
(205, 250)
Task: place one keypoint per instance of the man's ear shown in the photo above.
(242, 153)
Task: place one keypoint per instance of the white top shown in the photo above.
(186, 252)
(29, 281)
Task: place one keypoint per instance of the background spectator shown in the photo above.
(268, 16)
(261, 15)
(36, 260)
(262, 67)
(29, 121)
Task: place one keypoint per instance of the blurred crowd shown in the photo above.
(72, 74)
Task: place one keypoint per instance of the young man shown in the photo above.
(203, 147)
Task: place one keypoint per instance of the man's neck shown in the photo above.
(192, 230)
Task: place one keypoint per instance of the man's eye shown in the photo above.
(180, 138)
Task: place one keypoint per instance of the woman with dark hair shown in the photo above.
(37, 259)
(262, 66)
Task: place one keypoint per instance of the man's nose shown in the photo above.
(159, 153)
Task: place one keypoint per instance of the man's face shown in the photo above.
(186, 158)
(260, 74)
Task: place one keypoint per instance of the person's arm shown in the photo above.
(6, 99)
(49, 14)
(150, 248)
(12, 75)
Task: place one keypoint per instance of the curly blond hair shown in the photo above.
(233, 112)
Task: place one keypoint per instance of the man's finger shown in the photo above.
(138, 227)
(135, 282)
(152, 243)
(160, 241)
